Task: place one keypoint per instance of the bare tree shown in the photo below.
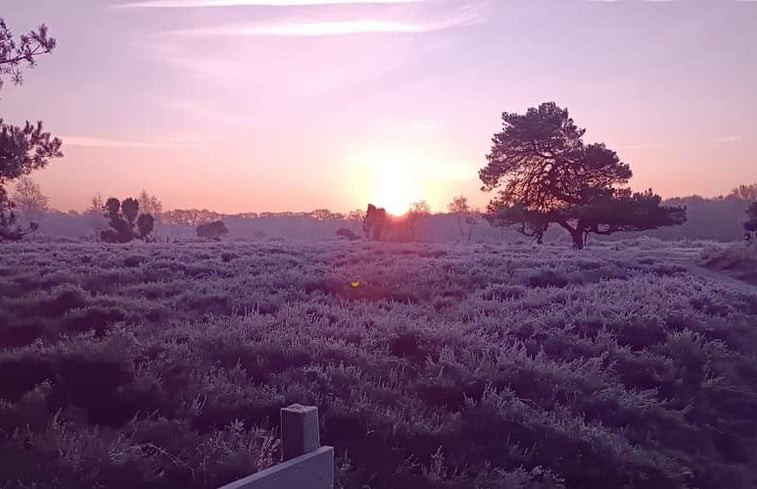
(356, 217)
(150, 204)
(94, 215)
(473, 218)
(459, 208)
(418, 211)
(745, 192)
(29, 200)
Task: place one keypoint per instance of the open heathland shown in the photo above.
(433, 366)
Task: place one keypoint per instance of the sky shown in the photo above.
(273, 105)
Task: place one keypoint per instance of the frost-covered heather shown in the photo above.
(737, 260)
(450, 366)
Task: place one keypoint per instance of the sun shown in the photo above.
(395, 185)
(395, 194)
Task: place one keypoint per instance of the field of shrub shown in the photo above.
(433, 366)
(739, 261)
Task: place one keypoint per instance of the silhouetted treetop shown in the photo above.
(540, 159)
(547, 174)
(122, 216)
(23, 149)
(745, 192)
(15, 53)
(751, 212)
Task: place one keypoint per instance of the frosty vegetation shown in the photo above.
(449, 366)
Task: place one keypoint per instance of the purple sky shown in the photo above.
(253, 105)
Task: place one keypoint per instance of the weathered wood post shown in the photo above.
(306, 464)
(299, 431)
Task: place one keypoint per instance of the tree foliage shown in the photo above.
(30, 202)
(547, 174)
(122, 218)
(418, 211)
(212, 230)
(466, 217)
(145, 225)
(10, 228)
(150, 204)
(751, 212)
(745, 192)
(459, 208)
(356, 217)
(190, 217)
(15, 54)
(22, 148)
(374, 222)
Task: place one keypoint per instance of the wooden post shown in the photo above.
(299, 431)
(306, 465)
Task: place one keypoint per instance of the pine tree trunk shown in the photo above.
(578, 239)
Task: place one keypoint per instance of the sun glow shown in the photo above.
(393, 183)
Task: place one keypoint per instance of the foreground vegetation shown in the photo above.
(738, 261)
(164, 366)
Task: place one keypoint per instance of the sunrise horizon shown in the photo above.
(276, 105)
(378, 244)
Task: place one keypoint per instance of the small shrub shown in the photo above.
(546, 278)
(61, 300)
(346, 233)
(21, 372)
(133, 261)
(212, 230)
(93, 318)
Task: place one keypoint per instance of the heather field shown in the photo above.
(626, 365)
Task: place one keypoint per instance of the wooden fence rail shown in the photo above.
(305, 463)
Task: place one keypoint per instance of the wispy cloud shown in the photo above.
(722, 140)
(253, 3)
(462, 17)
(412, 125)
(725, 139)
(90, 142)
(643, 146)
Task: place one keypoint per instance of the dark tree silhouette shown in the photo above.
(14, 54)
(745, 192)
(10, 229)
(22, 148)
(145, 225)
(122, 217)
(212, 230)
(751, 213)
(130, 210)
(548, 175)
(374, 222)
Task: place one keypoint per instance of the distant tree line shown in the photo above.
(722, 219)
